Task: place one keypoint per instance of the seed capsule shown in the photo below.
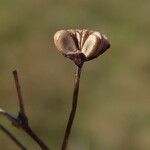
(81, 45)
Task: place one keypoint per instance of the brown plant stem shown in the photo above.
(12, 137)
(73, 109)
(22, 119)
(30, 132)
(21, 104)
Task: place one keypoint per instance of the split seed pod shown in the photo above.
(81, 45)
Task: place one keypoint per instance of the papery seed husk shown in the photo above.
(104, 46)
(91, 46)
(86, 43)
(65, 41)
(85, 34)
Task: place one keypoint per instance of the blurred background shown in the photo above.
(114, 102)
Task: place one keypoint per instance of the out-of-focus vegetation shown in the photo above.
(114, 100)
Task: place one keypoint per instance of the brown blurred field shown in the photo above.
(114, 101)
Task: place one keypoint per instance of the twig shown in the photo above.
(74, 107)
(21, 104)
(22, 119)
(12, 137)
(19, 122)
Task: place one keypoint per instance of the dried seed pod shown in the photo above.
(81, 45)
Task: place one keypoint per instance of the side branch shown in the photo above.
(21, 104)
(22, 117)
(21, 120)
(12, 137)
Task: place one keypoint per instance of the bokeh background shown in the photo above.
(114, 102)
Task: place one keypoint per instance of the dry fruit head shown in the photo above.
(81, 45)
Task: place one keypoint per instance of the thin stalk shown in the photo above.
(73, 109)
(21, 103)
(12, 137)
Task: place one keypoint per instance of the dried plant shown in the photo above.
(78, 45)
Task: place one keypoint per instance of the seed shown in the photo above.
(81, 44)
